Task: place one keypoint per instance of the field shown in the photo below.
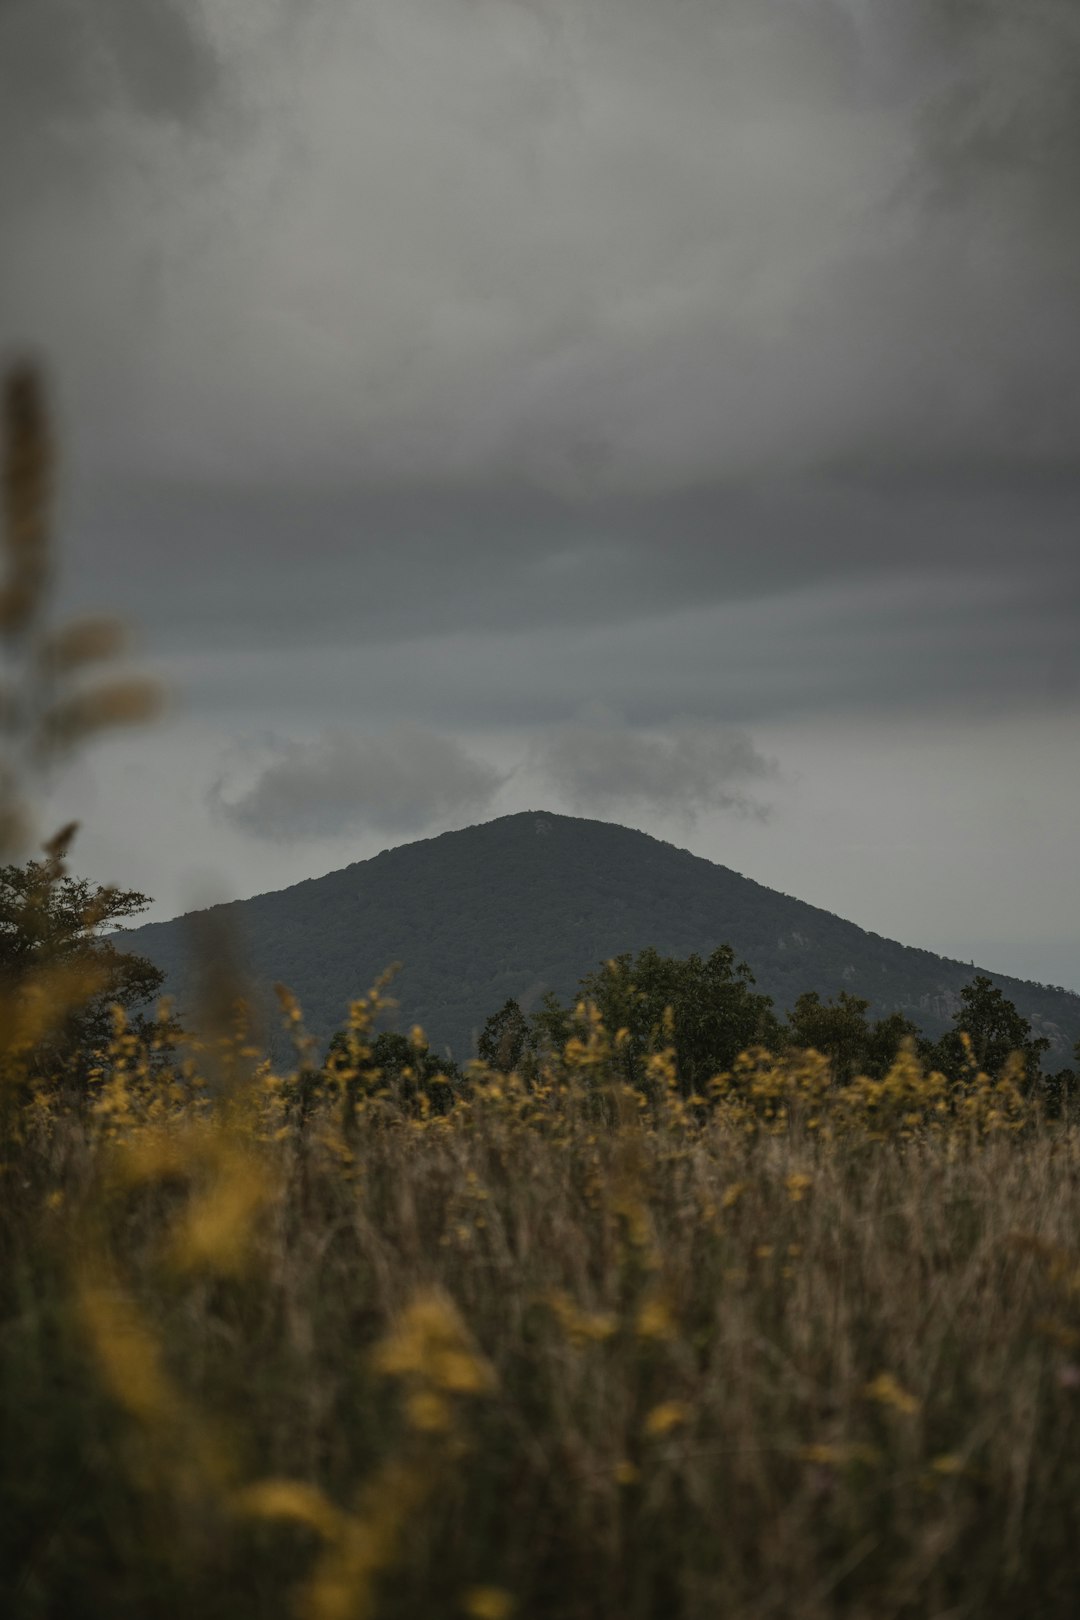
(285, 1345)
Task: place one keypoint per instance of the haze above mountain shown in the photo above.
(529, 903)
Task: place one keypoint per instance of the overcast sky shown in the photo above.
(665, 412)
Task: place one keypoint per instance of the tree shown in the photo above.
(994, 1030)
(1059, 1091)
(51, 924)
(550, 1026)
(715, 1013)
(841, 1031)
(408, 1067)
(503, 1038)
(887, 1035)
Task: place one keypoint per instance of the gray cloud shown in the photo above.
(92, 99)
(592, 246)
(599, 763)
(338, 782)
(397, 564)
(733, 605)
(1000, 122)
(109, 115)
(66, 67)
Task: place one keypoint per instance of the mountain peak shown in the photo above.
(530, 902)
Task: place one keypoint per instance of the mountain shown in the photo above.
(531, 902)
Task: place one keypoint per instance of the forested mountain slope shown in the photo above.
(531, 902)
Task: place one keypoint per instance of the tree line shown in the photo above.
(706, 1008)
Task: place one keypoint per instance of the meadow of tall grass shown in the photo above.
(560, 1350)
(327, 1345)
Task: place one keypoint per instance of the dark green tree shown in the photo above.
(841, 1031)
(887, 1035)
(504, 1037)
(715, 1012)
(1060, 1091)
(550, 1026)
(402, 1067)
(995, 1030)
(49, 921)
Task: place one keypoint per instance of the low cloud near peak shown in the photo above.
(338, 782)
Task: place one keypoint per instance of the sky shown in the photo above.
(667, 413)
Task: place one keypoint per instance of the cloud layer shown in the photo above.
(598, 764)
(336, 783)
(408, 779)
(732, 607)
(588, 244)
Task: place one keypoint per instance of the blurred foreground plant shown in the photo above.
(51, 965)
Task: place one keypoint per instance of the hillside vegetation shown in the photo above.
(533, 902)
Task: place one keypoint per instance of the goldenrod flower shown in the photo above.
(887, 1391)
(654, 1319)
(289, 1499)
(488, 1603)
(665, 1417)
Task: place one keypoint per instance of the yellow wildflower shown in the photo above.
(654, 1319)
(488, 1603)
(428, 1412)
(665, 1417)
(578, 1325)
(289, 1499)
(886, 1390)
(432, 1350)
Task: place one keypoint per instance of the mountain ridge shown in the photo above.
(531, 901)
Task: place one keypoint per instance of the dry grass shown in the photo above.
(563, 1351)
